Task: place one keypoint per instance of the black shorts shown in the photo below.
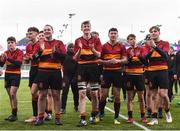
(12, 80)
(32, 75)
(112, 78)
(88, 73)
(158, 79)
(134, 82)
(145, 77)
(49, 79)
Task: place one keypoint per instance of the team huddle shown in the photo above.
(91, 69)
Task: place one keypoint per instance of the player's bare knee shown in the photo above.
(82, 94)
(49, 94)
(103, 97)
(56, 97)
(141, 99)
(163, 94)
(42, 96)
(149, 94)
(93, 94)
(117, 99)
(34, 94)
(154, 98)
(34, 97)
(130, 99)
(12, 96)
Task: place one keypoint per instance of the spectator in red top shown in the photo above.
(13, 58)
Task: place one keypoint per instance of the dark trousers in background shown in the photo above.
(176, 86)
(70, 82)
(170, 89)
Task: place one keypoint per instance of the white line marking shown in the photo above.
(124, 117)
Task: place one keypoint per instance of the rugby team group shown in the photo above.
(91, 69)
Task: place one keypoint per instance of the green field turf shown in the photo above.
(71, 118)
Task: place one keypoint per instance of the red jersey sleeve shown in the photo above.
(98, 45)
(146, 48)
(28, 50)
(127, 52)
(36, 49)
(143, 52)
(76, 45)
(166, 47)
(103, 50)
(61, 47)
(124, 52)
(20, 56)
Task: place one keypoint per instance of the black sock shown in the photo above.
(130, 114)
(35, 107)
(142, 115)
(167, 110)
(49, 112)
(14, 111)
(154, 115)
(93, 114)
(83, 117)
(116, 110)
(149, 111)
(160, 110)
(101, 106)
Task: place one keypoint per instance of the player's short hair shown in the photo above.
(50, 26)
(41, 32)
(113, 29)
(154, 27)
(33, 29)
(85, 22)
(11, 38)
(131, 35)
(70, 45)
(94, 32)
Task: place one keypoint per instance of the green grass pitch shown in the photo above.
(71, 118)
